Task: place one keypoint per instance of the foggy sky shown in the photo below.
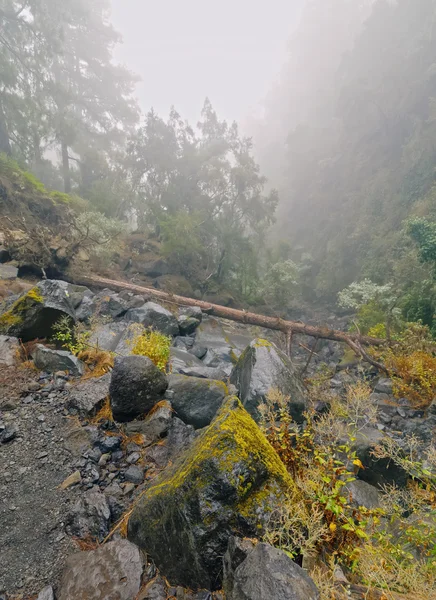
(185, 50)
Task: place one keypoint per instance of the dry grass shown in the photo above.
(99, 362)
(104, 414)
(86, 544)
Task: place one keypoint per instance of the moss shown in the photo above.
(60, 197)
(233, 357)
(231, 439)
(260, 343)
(14, 316)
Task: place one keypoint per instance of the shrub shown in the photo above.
(151, 343)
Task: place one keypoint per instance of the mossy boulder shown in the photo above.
(33, 314)
(262, 367)
(228, 481)
(195, 400)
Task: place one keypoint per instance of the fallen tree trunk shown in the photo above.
(289, 328)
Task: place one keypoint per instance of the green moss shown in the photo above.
(60, 197)
(14, 316)
(260, 343)
(233, 357)
(232, 438)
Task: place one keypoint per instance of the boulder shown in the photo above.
(362, 493)
(384, 386)
(195, 400)
(112, 571)
(108, 336)
(155, 316)
(8, 271)
(155, 426)
(191, 311)
(88, 396)
(261, 367)
(228, 481)
(187, 325)
(35, 312)
(204, 373)
(180, 360)
(136, 386)
(179, 438)
(52, 361)
(9, 350)
(262, 572)
(46, 594)
(89, 517)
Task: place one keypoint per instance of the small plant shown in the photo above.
(153, 344)
(72, 336)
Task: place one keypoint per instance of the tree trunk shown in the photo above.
(66, 168)
(355, 341)
(5, 144)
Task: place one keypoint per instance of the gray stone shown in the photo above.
(205, 373)
(136, 386)
(51, 361)
(9, 433)
(262, 367)
(187, 325)
(156, 589)
(195, 400)
(362, 493)
(154, 426)
(181, 360)
(134, 474)
(35, 312)
(113, 571)
(109, 443)
(384, 386)
(184, 342)
(191, 311)
(9, 350)
(265, 573)
(90, 516)
(107, 336)
(8, 271)
(46, 594)
(87, 397)
(185, 518)
(155, 316)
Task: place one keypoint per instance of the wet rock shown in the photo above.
(108, 336)
(384, 386)
(9, 433)
(136, 386)
(88, 396)
(227, 481)
(261, 367)
(187, 325)
(112, 571)
(205, 373)
(184, 342)
(362, 493)
(154, 426)
(46, 594)
(34, 313)
(134, 475)
(265, 573)
(51, 361)
(156, 316)
(191, 311)
(9, 350)
(195, 400)
(90, 516)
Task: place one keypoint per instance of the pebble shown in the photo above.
(9, 433)
(73, 479)
(133, 458)
(134, 474)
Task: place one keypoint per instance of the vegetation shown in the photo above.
(391, 547)
(153, 344)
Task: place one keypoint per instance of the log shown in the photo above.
(289, 328)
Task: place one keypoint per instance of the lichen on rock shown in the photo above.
(228, 481)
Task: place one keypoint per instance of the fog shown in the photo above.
(184, 51)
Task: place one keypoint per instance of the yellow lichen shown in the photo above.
(14, 316)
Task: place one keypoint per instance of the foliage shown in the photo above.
(72, 336)
(280, 283)
(391, 548)
(153, 344)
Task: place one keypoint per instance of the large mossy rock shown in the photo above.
(262, 367)
(228, 481)
(195, 400)
(34, 313)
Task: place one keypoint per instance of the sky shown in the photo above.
(184, 50)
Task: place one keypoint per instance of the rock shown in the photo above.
(9, 433)
(174, 284)
(227, 481)
(184, 342)
(108, 336)
(156, 589)
(362, 494)
(432, 408)
(136, 386)
(89, 517)
(8, 271)
(376, 471)
(205, 373)
(134, 474)
(154, 426)
(191, 311)
(112, 571)
(262, 367)
(265, 573)
(156, 268)
(384, 386)
(9, 350)
(46, 594)
(187, 325)
(195, 400)
(181, 360)
(88, 396)
(51, 361)
(34, 313)
(71, 480)
(155, 316)
(109, 443)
